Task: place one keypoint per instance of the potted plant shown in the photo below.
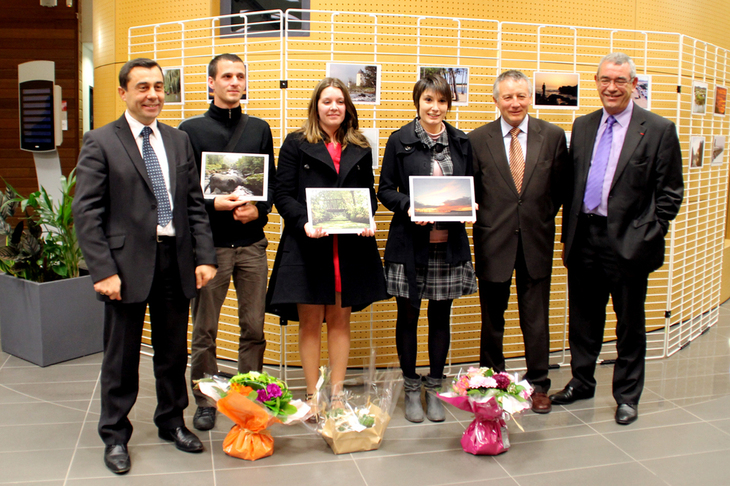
(48, 313)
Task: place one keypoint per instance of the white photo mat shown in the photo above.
(442, 198)
(224, 173)
(331, 209)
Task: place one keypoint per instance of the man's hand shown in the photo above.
(110, 286)
(227, 203)
(246, 213)
(203, 274)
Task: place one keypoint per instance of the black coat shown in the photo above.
(405, 155)
(304, 267)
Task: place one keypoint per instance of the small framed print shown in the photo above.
(720, 100)
(245, 175)
(696, 152)
(362, 81)
(556, 91)
(642, 91)
(340, 210)
(442, 198)
(457, 77)
(718, 149)
(172, 79)
(699, 98)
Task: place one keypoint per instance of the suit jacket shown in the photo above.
(505, 216)
(115, 210)
(646, 190)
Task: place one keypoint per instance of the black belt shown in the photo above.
(166, 240)
(592, 218)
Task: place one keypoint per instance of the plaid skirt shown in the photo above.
(436, 281)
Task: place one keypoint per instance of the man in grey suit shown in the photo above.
(144, 232)
(627, 186)
(519, 181)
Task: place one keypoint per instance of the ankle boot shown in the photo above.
(414, 409)
(434, 408)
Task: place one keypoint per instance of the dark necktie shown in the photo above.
(597, 172)
(164, 213)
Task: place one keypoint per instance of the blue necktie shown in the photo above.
(597, 172)
(164, 213)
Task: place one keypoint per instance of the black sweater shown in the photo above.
(211, 132)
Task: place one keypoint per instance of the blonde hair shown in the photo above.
(348, 131)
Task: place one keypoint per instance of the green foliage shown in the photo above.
(43, 246)
(255, 183)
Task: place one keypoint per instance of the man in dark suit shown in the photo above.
(144, 232)
(519, 164)
(627, 186)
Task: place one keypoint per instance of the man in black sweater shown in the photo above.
(238, 230)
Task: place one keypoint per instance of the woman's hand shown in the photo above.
(367, 232)
(313, 232)
(419, 223)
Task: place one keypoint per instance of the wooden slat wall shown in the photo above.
(29, 32)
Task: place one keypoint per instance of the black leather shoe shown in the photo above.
(204, 418)
(626, 413)
(568, 395)
(116, 458)
(184, 439)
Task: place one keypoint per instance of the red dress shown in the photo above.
(335, 150)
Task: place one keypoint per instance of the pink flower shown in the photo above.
(263, 396)
(503, 380)
(482, 382)
(273, 390)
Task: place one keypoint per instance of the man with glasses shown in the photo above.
(627, 186)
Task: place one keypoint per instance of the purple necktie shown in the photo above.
(597, 172)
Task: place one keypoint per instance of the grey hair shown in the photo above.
(620, 59)
(513, 75)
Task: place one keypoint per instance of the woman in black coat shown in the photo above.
(318, 277)
(425, 260)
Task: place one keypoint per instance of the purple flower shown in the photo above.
(503, 381)
(273, 390)
(263, 396)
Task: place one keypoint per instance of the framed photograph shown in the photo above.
(244, 19)
(699, 98)
(696, 152)
(442, 198)
(173, 85)
(642, 92)
(718, 149)
(457, 77)
(362, 81)
(373, 136)
(556, 90)
(339, 211)
(245, 175)
(244, 98)
(720, 100)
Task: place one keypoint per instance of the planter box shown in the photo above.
(46, 323)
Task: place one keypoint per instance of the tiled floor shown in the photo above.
(48, 436)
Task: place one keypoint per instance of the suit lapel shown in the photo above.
(124, 132)
(590, 132)
(171, 155)
(534, 147)
(495, 144)
(634, 134)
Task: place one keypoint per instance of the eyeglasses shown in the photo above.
(619, 83)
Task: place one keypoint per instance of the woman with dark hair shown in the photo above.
(318, 277)
(425, 260)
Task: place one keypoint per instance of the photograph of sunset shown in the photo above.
(442, 198)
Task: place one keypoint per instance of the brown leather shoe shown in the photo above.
(541, 403)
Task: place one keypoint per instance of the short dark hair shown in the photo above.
(432, 82)
(213, 65)
(129, 65)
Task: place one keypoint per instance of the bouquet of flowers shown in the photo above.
(355, 419)
(492, 397)
(254, 401)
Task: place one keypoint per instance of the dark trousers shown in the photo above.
(593, 274)
(533, 302)
(122, 339)
(247, 265)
